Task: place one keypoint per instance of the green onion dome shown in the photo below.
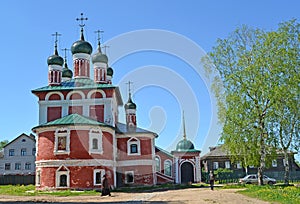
(110, 71)
(99, 56)
(81, 46)
(66, 72)
(55, 59)
(130, 104)
(185, 146)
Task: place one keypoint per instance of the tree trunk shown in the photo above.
(286, 168)
(262, 164)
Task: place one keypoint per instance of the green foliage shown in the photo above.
(222, 170)
(278, 194)
(258, 105)
(3, 143)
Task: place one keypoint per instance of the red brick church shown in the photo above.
(79, 137)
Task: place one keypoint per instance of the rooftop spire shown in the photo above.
(129, 89)
(81, 25)
(99, 38)
(65, 57)
(56, 34)
(183, 120)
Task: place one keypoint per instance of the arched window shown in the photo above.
(157, 163)
(133, 146)
(95, 141)
(168, 168)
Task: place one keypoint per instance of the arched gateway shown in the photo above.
(187, 161)
(187, 172)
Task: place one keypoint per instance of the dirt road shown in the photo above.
(190, 196)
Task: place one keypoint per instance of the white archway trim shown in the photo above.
(74, 92)
(95, 91)
(187, 161)
(52, 93)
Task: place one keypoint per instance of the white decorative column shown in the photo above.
(198, 169)
(176, 170)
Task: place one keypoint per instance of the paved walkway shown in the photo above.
(182, 196)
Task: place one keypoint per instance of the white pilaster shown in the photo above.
(176, 170)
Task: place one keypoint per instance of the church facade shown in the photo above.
(79, 138)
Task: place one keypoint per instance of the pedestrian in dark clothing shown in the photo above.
(105, 187)
(211, 180)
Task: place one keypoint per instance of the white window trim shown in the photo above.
(102, 172)
(64, 133)
(130, 142)
(227, 164)
(158, 157)
(129, 172)
(215, 165)
(59, 173)
(95, 133)
(165, 162)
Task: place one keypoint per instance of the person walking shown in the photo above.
(211, 180)
(105, 187)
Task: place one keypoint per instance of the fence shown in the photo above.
(17, 179)
(226, 177)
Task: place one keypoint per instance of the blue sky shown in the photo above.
(166, 81)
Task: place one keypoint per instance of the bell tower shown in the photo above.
(81, 51)
(130, 110)
(55, 63)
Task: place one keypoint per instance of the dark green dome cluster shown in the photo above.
(55, 60)
(81, 46)
(130, 104)
(110, 71)
(185, 146)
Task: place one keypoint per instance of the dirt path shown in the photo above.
(190, 196)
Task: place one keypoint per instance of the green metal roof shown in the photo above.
(75, 84)
(73, 119)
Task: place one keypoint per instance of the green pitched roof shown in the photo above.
(73, 119)
(73, 84)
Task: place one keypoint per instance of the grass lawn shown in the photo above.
(276, 193)
(29, 190)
